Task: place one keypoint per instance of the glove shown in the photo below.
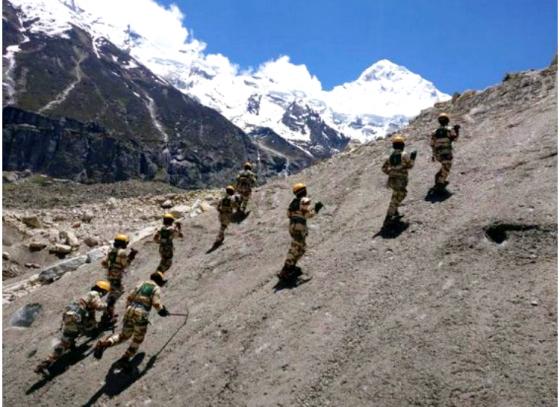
(318, 206)
(456, 127)
(413, 155)
(132, 254)
(163, 312)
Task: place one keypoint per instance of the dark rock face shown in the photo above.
(324, 140)
(143, 128)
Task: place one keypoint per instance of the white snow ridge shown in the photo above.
(382, 99)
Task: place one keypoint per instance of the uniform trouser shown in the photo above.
(298, 232)
(245, 194)
(225, 219)
(398, 185)
(443, 173)
(114, 295)
(166, 260)
(66, 341)
(135, 325)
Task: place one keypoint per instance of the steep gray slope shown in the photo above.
(440, 315)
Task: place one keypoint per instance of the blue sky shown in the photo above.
(457, 44)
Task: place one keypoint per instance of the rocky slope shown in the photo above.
(442, 314)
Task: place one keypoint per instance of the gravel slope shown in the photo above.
(441, 315)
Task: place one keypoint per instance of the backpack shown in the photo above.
(395, 159)
(73, 313)
(442, 132)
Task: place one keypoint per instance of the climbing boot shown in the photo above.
(43, 368)
(99, 349)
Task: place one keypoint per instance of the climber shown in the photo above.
(116, 262)
(77, 319)
(442, 149)
(396, 166)
(226, 208)
(298, 212)
(135, 323)
(164, 237)
(246, 180)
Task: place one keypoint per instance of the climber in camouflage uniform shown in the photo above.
(78, 319)
(396, 166)
(169, 231)
(298, 212)
(226, 208)
(246, 180)
(441, 141)
(116, 262)
(135, 324)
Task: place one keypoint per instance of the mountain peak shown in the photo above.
(382, 69)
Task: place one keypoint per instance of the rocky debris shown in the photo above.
(36, 246)
(26, 315)
(32, 221)
(87, 216)
(60, 249)
(5, 256)
(9, 270)
(56, 271)
(180, 211)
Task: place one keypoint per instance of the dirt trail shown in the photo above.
(440, 315)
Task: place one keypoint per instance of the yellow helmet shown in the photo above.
(443, 118)
(121, 237)
(248, 166)
(298, 187)
(169, 216)
(104, 285)
(398, 138)
(230, 188)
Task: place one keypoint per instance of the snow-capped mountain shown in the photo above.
(278, 95)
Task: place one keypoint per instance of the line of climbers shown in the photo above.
(79, 316)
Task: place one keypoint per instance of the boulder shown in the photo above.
(91, 241)
(205, 206)
(5, 255)
(60, 249)
(36, 246)
(167, 204)
(32, 221)
(112, 203)
(26, 315)
(69, 238)
(57, 270)
(96, 254)
(32, 265)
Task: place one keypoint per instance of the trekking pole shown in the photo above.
(178, 314)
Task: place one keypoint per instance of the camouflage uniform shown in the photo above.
(442, 150)
(298, 212)
(165, 238)
(397, 166)
(78, 319)
(227, 205)
(246, 180)
(135, 324)
(116, 262)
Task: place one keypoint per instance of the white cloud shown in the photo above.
(290, 76)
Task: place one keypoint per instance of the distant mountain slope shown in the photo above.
(383, 98)
(89, 79)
